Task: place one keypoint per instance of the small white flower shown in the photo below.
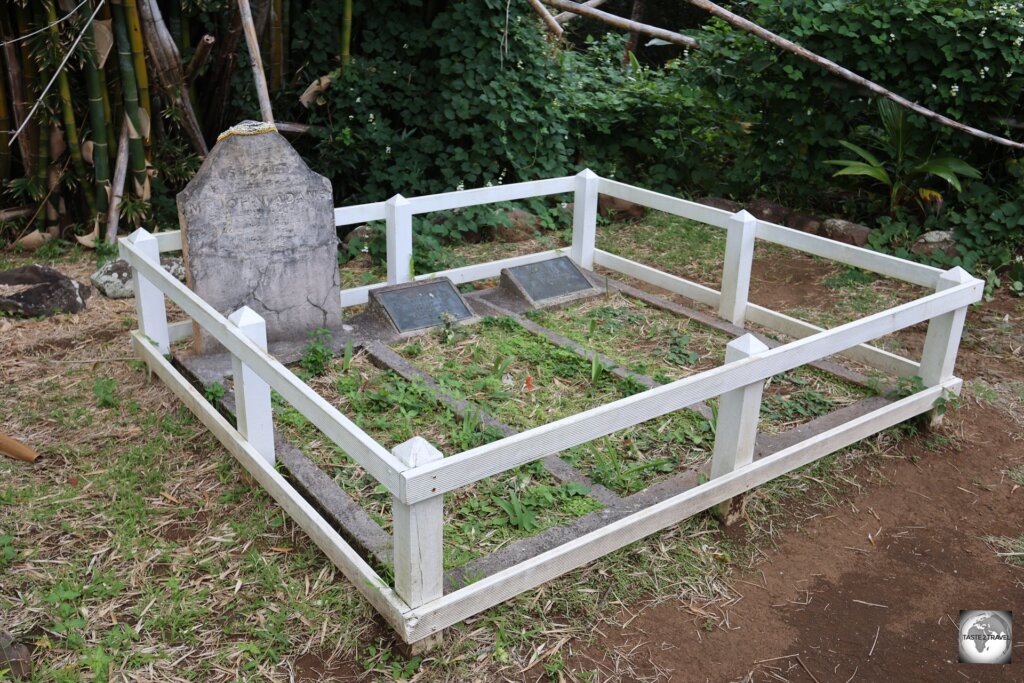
(387, 150)
(461, 186)
(953, 90)
(981, 33)
(358, 100)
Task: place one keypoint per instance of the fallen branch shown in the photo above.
(545, 15)
(566, 17)
(16, 449)
(829, 65)
(199, 58)
(619, 22)
(117, 184)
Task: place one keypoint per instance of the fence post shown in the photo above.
(252, 394)
(943, 338)
(398, 216)
(739, 256)
(418, 528)
(149, 300)
(584, 219)
(736, 427)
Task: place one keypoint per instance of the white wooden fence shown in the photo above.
(417, 474)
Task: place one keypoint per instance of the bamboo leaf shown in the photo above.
(103, 34)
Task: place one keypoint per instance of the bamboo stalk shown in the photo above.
(346, 33)
(565, 17)
(286, 11)
(117, 187)
(131, 11)
(199, 58)
(55, 207)
(42, 170)
(164, 55)
(98, 121)
(276, 45)
(5, 134)
(68, 109)
(16, 449)
(129, 90)
(249, 27)
(20, 72)
(619, 22)
(219, 80)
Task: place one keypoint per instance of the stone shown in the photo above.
(257, 229)
(553, 281)
(361, 232)
(518, 226)
(845, 231)
(935, 241)
(720, 203)
(619, 209)
(804, 223)
(769, 211)
(114, 278)
(15, 658)
(419, 305)
(38, 292)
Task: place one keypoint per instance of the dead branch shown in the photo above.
(619, 22)
(566, 17)
(117, 185)
(789, 46)
(167, 62)
(199, 58)
(545, 15)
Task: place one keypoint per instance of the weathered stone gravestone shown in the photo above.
(258, 230)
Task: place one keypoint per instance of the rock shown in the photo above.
(935, 241)
(804, 223)
(844, 231)
(258, 228)
(360, 232)
(519, 226)
(114, 278)
(38, 291)
(619, 209)
(15, 657)
(720, 203)
(769, 211)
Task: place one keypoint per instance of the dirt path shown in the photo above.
(870, 591)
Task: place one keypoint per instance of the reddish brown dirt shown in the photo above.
(870, 591)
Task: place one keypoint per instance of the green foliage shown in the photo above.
(317, 355)
(960, 58)
(214, 393)
(105, 391)
(897, 164)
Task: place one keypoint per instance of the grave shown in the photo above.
(547, 283)
(257, 228)
(415, 306)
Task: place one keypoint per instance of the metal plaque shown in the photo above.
(417, 305)
(552, 279)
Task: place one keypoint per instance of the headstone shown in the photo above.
(546, 283)
(418, 305)
(258, 230)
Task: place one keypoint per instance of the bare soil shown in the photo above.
(872, 590)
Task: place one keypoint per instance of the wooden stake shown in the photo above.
(257, 61)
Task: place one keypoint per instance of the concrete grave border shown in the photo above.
(417, 475)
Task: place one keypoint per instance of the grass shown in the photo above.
(480, 518)
(642, 338)
(134, 548)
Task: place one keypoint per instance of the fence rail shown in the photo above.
(418, 476)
